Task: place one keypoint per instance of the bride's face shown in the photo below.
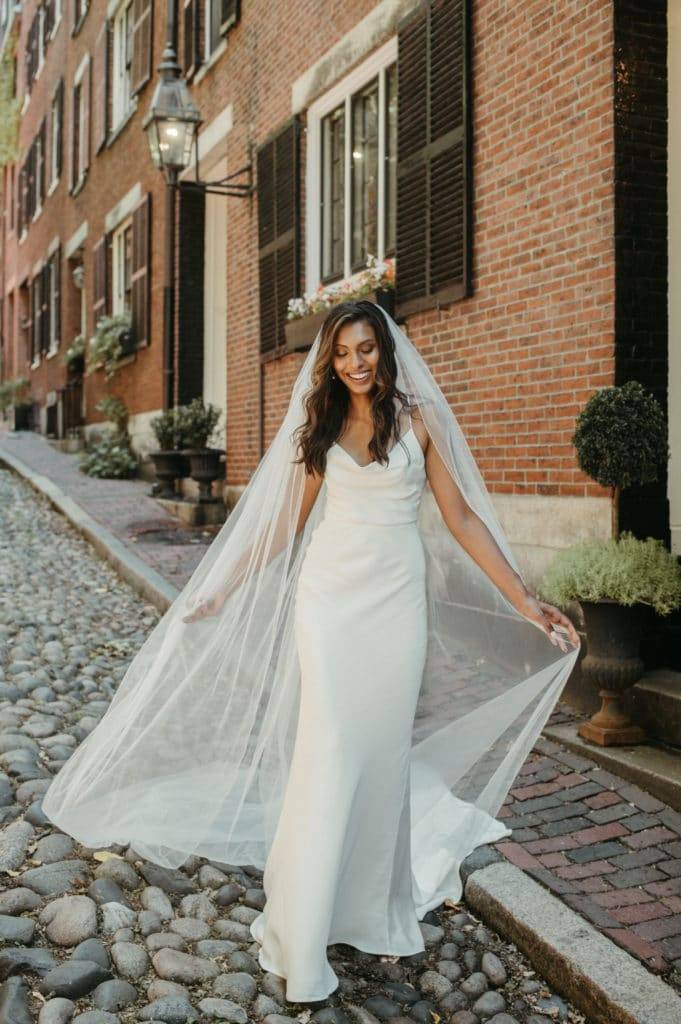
(355, 356)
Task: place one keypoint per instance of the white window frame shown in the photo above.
(121, 75)
(117, 269)
(375, 65)
(41, 38)
(83, 128)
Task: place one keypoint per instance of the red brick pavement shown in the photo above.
(606, 848)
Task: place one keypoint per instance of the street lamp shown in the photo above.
(171, 125)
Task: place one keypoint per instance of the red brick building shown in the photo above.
(500, 151)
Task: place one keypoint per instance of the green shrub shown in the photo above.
(196, 423)
(110, 458)
(621, 436)
(115, 410)
(166, 429)
(626, 570)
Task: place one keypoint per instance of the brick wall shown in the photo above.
(522, 354)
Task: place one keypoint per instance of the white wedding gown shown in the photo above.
(340, 865)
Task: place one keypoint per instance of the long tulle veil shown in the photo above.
(192, 755)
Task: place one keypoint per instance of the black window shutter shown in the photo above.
(45, 308)
(60, 127)
(102, 87)
(192, 36)
(57, 295)
(142, 42)
(229, 14)
(434, 146)
(278, 190)
(191, 233)
(32, 348)
(140, 277)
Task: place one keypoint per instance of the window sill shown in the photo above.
(53, 186)
(78, 187)
(211, 62)
(76, 28)
(35, 364)
(52, 352)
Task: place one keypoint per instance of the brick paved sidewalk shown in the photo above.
(125, 507)
(609, 850)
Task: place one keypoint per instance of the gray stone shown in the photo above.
(15, 901)
(54, 847)
(165, 940)
(170, 1010)
(455, 1001)
(432, 933)
(200, 906)
(238, 986)
(57, 878)
(73, 979)
(255, 898)
(96, 1017)
(115, 915)
(159, 988)
(69, 920)
(433, 984)
(381, 1007)
(265, 1005)
(119, 871)
(553, 1006)
(57, 1011)
(92, 949)
(23, 958)
(167, 880)
(16, 929)
(493, 968)
(273, 985)
(464, 1017)
(475, 984)
(215, 947)
(190, 928)
(330, 1015)
(488, 1004)
(177, 966)
(223, 1009)
(423, 1011)
(14, 843)
(450, 951)
(211, 877)
(402, 993)
(244, 915)
(227, 929)
(14, 1006)
(244, 962)
(148, 922)
(114, 994)
(131, 961)
(103, 890)
(450, 970)
(154, 898)
(228, 894)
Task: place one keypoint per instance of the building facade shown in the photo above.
(511, 158)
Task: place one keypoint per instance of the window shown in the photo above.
(222, 14)
(122, 63)
(36, 317)
(351, 171)
(53, 316)
(41, 36)
(56, 129)
(80, 132)
(122, 268)
(40, 167)
(80, 10)
(76, 133)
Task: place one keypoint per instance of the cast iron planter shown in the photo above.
(612, 663)
(205, 466)
(169, 465)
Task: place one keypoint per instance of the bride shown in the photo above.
(346, 688)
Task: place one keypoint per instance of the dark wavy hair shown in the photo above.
(327, 400)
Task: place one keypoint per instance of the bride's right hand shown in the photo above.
(205, 608)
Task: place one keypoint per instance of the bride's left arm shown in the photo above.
(475, 538)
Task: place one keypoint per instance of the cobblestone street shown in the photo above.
(99, 937)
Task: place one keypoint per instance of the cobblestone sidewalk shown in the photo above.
(125, 507)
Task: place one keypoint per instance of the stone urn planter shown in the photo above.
(301, 332)
(205, 466)
(169, 465)
(613, 664)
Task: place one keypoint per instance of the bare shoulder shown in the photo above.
(419, 428)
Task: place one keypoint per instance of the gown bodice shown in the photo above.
(376, 493)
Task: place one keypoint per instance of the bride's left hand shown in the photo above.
(547, 617)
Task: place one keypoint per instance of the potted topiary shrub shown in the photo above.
(170, 463)
(197, 423)
(74, 357)
(621, 440)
